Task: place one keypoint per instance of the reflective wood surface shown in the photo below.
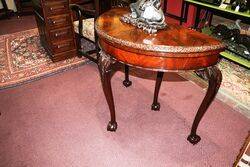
(175, 48)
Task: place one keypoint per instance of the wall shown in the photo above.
(174, 7)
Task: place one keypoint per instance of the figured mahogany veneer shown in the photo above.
(175, 48)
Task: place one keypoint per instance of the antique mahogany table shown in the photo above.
(173, 49)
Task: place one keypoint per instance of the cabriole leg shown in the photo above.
(105, 64)
(127, 82)
(156, 105)
(214, 78)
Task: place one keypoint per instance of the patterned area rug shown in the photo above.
(236, 82)
(235, 86)
(23, 59)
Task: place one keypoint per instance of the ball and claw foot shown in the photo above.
(127, 83)
(155, 106)
(112, 126)
(194, 139)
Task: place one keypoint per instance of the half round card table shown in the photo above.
(173, 49)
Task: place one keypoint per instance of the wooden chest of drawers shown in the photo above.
(55, 26)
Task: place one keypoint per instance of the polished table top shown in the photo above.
(173, 42)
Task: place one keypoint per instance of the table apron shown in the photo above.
(166, 62)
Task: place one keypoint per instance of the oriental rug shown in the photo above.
(23, 59)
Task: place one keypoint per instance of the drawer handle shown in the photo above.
(58, 21)
(63, 45)
(60, 34)
(57, 8)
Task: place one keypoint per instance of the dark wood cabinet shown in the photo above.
(24, 7)
(55, 26)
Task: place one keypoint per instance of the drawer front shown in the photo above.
(56, 8)
(63, 55)
(61, 34)
(63, 46)
(59, 21)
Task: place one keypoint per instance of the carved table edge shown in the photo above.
(159, 48)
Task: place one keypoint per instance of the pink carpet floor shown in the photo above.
(61, 121)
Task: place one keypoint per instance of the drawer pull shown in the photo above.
(63, 45)
(60, 34)
(57, 8)
(58, 21)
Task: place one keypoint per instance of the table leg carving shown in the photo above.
(201, 74)
(127, 82)
(214, 80)
(105, 64)
(156, 105)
